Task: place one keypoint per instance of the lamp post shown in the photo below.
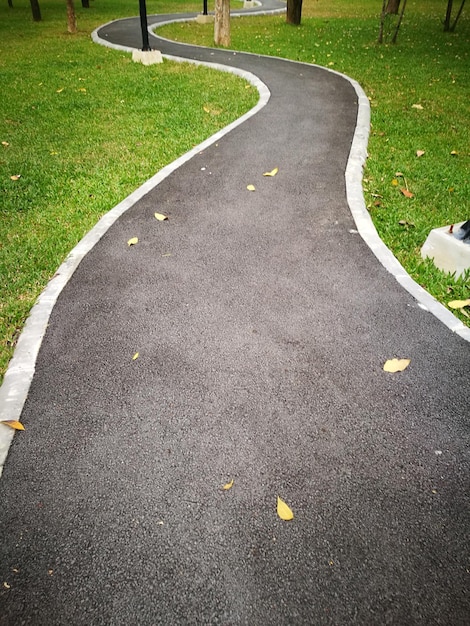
(204, 10)
(143, 25)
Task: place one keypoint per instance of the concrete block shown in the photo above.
(204, 19)
(147, 57)
(448, 253)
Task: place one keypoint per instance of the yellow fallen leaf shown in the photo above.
(396, 365)
(60, 90)
(132, 241)
(251, 188)
(15, 177)
(419, 153)
(417, 106)
(283, 510)
(13, 424)
(395, 182)
(228, 486)
(458, 304)
(272, 172)
(5, 144)
(160, 217)
(82, 89)
(206, 109)
(454, 153)
(136, 356)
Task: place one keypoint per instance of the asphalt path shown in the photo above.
(262, 322)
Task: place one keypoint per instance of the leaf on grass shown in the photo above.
(251, 188)
(283, 510)
(399, 174)
(417, 106)
(454, 153)
(407, 193)
(132, 241)
(15, 177)
(212, 110)
(458, 304)
(5, 144)
(419, 153)
(160, 217)
(228, 486)
(396, 365)
(405, 223)
(60, 90)
(13, 424)
(272, 172)
(136, 356)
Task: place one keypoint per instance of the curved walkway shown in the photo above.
(262, 321)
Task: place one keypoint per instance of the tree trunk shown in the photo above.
(36, 11)
(10, 3)
(448, 15)
(393, 6)
(71, 18)
(294, 12)
(222, 23)
(85, 4)
(380, 38)
(459, 13)
(395, 34)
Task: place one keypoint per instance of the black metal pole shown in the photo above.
(204, 10)
(143, 25)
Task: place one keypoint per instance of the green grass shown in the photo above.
(84, 126)
(426, 67)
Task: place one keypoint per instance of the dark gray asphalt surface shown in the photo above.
(262, 340)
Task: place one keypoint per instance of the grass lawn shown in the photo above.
(84, 127)
(419, 90)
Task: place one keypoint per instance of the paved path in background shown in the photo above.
(262, 322)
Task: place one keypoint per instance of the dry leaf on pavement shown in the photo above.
(13, 424)
(396, 365)
(283, 510)
(272, 172)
